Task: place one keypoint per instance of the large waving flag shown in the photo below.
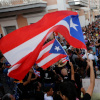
(22, 46)
(71, 30)
(50, 54)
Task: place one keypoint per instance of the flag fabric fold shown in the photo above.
(22, 46)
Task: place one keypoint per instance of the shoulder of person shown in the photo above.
(86, 97)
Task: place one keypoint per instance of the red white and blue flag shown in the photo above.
(36, 72)
(22, 46)
(50, 54)
(65, 59)
(55, 33)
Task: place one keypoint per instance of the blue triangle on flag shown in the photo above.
(57, 48)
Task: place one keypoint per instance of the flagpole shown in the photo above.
(87, 59)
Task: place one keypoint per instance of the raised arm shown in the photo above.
(72, 71)
(29, 78)
(92, 78)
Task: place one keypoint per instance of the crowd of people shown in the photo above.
(62, 80)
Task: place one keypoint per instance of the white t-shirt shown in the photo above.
(47, 97)
(84, 36)
(90, 56)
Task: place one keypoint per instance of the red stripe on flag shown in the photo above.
(48, 64)
(65, 32)
(26, 65)
(23, 34)
(43, 57)
(47, 44)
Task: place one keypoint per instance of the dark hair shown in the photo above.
(6, 97)
(89, 48)
(77, 50)
(1, 57)
(68, 89)
(47, 89)
(69, 51)
(48, 68)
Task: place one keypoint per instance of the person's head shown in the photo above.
(67, 91)
(64, 72)
(49, 91)
(1, 59)
(36, 66)
(89, 49)
(90, 37)
(62, 44)
(8, 96)
(78, 51)
(69, 52)
(48, 68)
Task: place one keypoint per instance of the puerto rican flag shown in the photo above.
(65, 59)
(50, 54)
(36, 72)
(22, 46)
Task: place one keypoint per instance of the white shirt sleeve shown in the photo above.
(91, 56)
(47, 97)
(84, 56)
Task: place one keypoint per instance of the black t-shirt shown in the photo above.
(57, 97)
(1, 64)
(48, 76)
(86, 97)
(39, 95)
(65, 78)
(57, 69)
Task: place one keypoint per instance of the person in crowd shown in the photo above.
(65, 75)
(68, 91)
(89, 53)
(27, 86)
(39, 69)
(49, 78)
(39, 95)
(8, 96)
(49, 93)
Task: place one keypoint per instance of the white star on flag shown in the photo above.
(73, 25)
(57, 48)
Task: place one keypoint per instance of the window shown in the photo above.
(9, 29)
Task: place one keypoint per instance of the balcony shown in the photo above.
(79, 3)
(93, 6)
(14, 7)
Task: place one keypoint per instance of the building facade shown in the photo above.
(15, 14)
